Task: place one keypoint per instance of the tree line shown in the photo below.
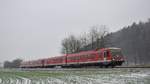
(134, 41)
(12, 64)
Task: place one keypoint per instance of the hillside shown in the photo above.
(134, 41)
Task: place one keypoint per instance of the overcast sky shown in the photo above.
(33, 29)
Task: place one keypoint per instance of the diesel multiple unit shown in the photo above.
(106, 57)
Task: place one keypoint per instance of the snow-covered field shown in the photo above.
(85, 76)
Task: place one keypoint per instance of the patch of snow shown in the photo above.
(0, 80)
(25, 80)
(135, 75)
(52, 80)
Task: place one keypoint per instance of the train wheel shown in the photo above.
(100, 66)
(106, 66)
(112, 66)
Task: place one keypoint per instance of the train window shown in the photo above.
(86, 56)
(93, 56)
(82, 57)
(106, 53)
(89, 56)
(115, 52)
(78, 57)
(72, 58)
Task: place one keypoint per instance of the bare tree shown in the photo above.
(65, 46)
(96, 35)
(94, 38)
(84, 40)
(71, 45)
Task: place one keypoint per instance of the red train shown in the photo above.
(106, 57)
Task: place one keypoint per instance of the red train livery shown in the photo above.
(102, 57)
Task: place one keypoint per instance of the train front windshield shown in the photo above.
(116, 52)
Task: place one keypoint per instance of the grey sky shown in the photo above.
(32, 29)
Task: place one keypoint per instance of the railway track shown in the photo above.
(78, 69)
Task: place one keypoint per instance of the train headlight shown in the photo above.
(122, 59)
(113, 59)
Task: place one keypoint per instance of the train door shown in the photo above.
(42, 61)
(105, 55)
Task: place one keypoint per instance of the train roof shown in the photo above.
(91, 51)
(113, 48)
(81, 53)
